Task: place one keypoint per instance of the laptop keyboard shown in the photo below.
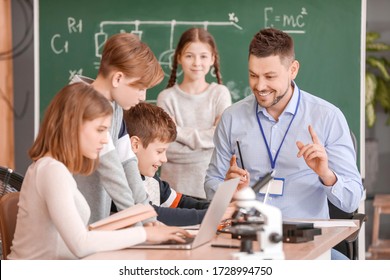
(187, 241)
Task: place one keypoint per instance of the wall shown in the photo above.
(22, 24)
(378, 20)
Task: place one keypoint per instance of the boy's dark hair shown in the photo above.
(149, 122)
(270, 41)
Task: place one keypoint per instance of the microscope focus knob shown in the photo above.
(275, 237)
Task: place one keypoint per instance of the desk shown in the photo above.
(293, 251)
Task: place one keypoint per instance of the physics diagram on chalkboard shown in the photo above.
(135, 27)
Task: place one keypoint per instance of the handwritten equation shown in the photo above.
(289, 23)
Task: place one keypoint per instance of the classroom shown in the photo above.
(45, 44)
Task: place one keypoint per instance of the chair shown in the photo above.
(10, 181)
(348, 246)
(380, 248)
(8, 212)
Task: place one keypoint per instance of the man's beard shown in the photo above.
(278, 98)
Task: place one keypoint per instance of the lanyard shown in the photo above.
(273, 160)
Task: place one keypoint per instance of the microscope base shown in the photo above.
(258, 256)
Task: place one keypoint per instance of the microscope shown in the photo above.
(254, 220)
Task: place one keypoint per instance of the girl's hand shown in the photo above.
(154, 224)
(158, 234)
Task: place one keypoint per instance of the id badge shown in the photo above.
(275, 187)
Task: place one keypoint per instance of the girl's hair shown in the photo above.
(126, 53)
(190, 36)
(271, 41)
(59, 134)
(149, 122)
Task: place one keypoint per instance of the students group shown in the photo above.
(100, 145)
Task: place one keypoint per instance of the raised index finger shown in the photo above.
(314, 136)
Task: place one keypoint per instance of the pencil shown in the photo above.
(239, 152)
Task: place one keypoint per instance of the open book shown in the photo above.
(125, 218)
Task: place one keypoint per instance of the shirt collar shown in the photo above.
(291, 106)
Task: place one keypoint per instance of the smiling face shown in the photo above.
(271, 81)
(93, 136)
(151, 157)
(196, 60)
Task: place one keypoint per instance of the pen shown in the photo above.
(225, 246)
(239, 152)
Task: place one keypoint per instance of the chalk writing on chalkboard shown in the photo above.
(289, 23)
(165, 58)
(60, 45)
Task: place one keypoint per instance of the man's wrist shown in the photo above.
(329, 179)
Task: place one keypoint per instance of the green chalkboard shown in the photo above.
(327, 34)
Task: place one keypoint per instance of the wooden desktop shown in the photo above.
(319, 248)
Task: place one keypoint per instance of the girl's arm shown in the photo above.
(59, 191)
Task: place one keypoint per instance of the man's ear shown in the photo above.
(294, 68)
(135, 143)
(116, 79)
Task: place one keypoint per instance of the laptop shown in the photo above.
(209, 225)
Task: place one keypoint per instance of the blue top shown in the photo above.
(304, 194)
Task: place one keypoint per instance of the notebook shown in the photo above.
(209, 225)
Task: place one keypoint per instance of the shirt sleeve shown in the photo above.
(197, 138)
(347, 192)
(119, 175)
(193, 137)
(113, 179)
(57, 188)
(170, 198)
(190, 202)
(179, 216)
(220, 159)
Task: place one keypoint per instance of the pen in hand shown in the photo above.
(239, 152)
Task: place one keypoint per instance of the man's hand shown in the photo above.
(235, 171)
(316, 158)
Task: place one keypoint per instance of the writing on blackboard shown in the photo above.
(289, 23)
(165, 58)
(60, 45)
